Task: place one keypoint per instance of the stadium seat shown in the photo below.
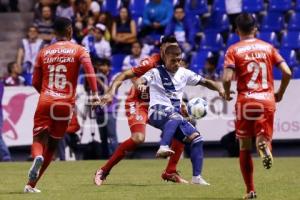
(280, 5)
(297, 6)
(277, 74)
(198, 60)
(232, 38)
(218, 22)
(253, 6)
(195, 7)
(269, 37)
(291, 40)
(293, 24)
(220, 64)
(219, 6)
(273, 21)
(112, 6)
(296, 73)
(137, 8)
(117, 62)
(173, 2)
(289, 56)
(212, 41)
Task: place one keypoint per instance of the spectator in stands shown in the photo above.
(4, 152)
(81, 18)
(106, 117)
(157, 15)
(14, 77)
(106, 19)
(28, 51)
(135, 58)
(233, 9)
(123, 32)
(39, 7)
(45, 25)
(96, 44)
(65, 9)
(11, 5)
(182, 29)
(210, 69)
(94, 8)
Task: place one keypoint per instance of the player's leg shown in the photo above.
(137, 124)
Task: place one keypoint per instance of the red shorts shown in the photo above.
(254, 118)
(53, 117)
(137, 115)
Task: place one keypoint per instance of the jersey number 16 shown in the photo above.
(57, 76)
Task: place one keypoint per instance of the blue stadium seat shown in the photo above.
(289, 56)
(269, 37)
(297, 6)
(296, 73)
(293, 24)
(218, 22)
(220, 65)
(137, 8)
(173, 2)
(112, 6)
(195, 7)
(253, 6)
(219, 6)
(232, 38)
(273, 21)
(291, 40)
(198, 60)
(212, 41)
(280, 5)
(117, 62)
(277, 74)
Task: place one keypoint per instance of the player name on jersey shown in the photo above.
(59, 59)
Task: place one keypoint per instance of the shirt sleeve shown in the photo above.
(145, 65)
(229, 60)
(276, 57)
(149, 76)
(37, 73)
(85, 61)
(192, 78)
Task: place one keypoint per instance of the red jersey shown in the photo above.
(57, 69)
(145, 65)
(253, 62)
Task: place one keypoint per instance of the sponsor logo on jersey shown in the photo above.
(59, 51)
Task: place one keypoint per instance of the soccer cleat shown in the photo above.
(35, 168)
(250, 195)
(100, 176)
(173, 177)
(265, 154)
(199, 180)
(29, 189)
(164, 151)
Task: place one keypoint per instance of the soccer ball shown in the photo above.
(197, 107)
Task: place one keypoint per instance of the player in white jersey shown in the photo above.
(166, 83)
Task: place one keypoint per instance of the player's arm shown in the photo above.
(227, 77)
(286, 76)
(37, 78)
(143, 82)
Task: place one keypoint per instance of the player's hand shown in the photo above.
(94, 101)
(106, 99)
(142, 88)
(278, 96)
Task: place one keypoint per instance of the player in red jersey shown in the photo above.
(252, 61)
(55, 78)
(137, 115)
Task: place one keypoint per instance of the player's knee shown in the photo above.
(138, 138)
(245, 144)
(194, 136)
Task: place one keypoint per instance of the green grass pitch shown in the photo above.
(140, 179)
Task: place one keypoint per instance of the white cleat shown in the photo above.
(35, 168)
(100, 177)
(164, 151)
(29, 189)
(199, 180)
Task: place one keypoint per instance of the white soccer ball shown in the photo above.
(197, 107)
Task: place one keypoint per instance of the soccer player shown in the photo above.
(55, 78)
(137, 114)
(166, 83)
(252, 61)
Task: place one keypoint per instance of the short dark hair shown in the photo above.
(138, 42)
(102, 61)
(61, 24)
(245, 22)
(173, 49)
(168, 39)
(10, 66)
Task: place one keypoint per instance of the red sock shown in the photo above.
(178, 147)
(119, 154)
(48, 156)
(246, 165)
(37, 149)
